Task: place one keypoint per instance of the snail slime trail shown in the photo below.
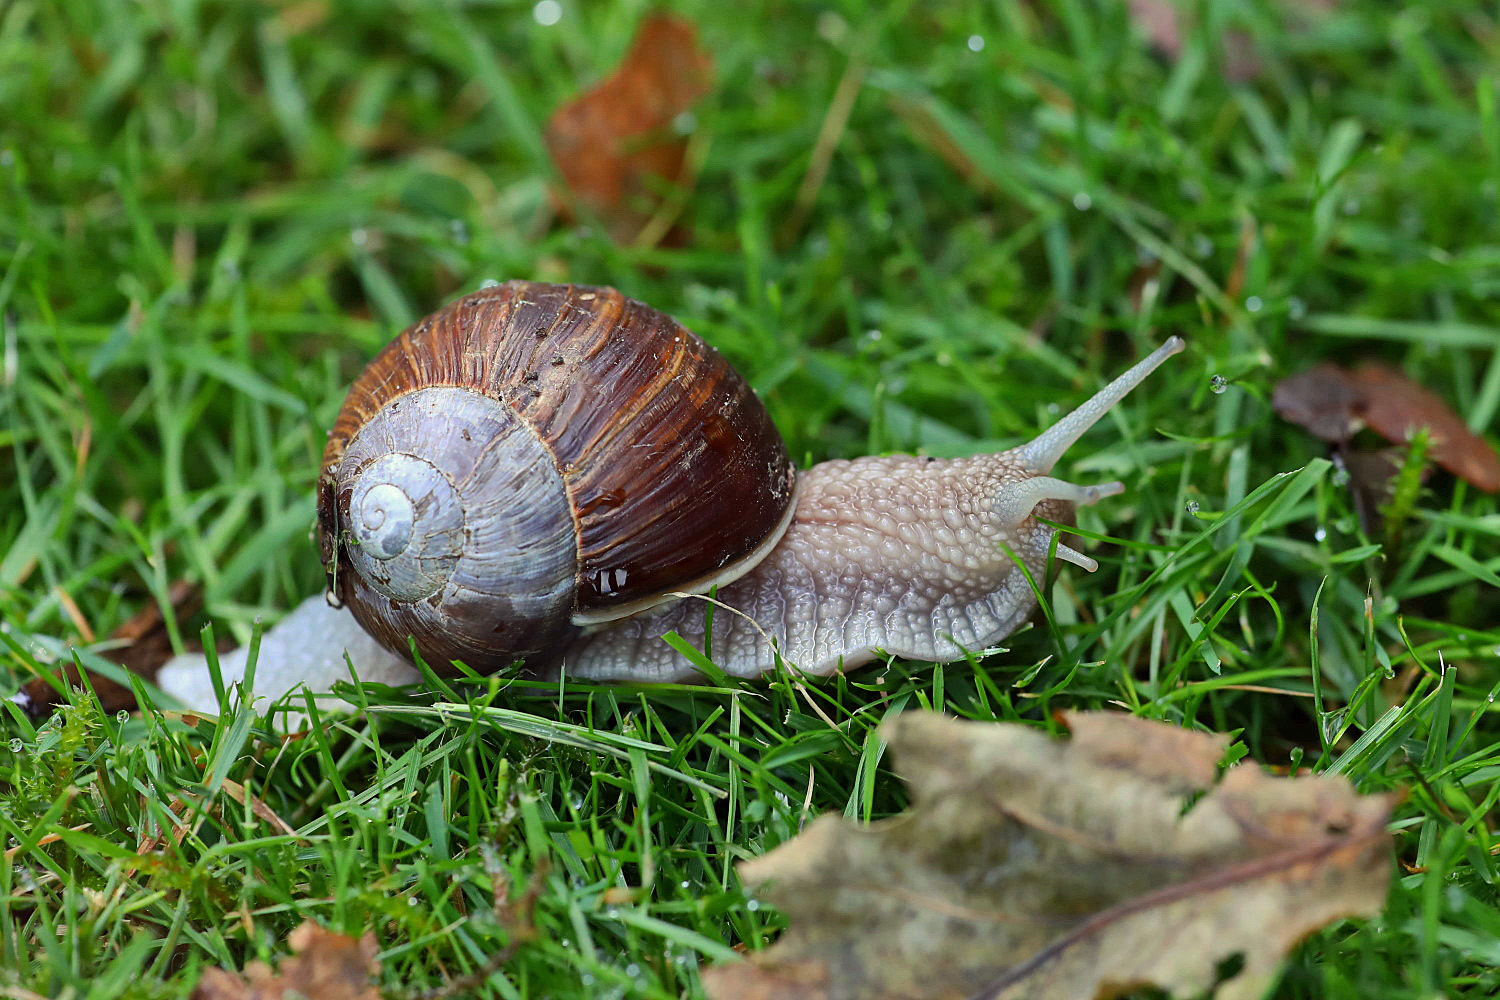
(538, 472)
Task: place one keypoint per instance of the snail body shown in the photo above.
(548, 473)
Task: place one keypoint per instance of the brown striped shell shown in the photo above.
(533, 459)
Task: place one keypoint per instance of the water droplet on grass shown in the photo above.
(547, 13)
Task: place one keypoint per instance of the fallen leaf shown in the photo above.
(140, 645)
(1372, 480)
(1323, 400)
(1165, 24)
(325, 966)
(1041, 868)
(1334, 403)
(615, 144)
(1394, 406)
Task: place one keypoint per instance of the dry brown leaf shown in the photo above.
(615, 144)
(1395, 406)
(142, 645)
(1041, 868)
(1165, 24)
(1334, 403)
(325, 966)
(1323, 400)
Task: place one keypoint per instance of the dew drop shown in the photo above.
(752, 905)
(976, 43)
(1191, 506)
(547, 12)
(359, 236)
(1218, 384)
(122, 716)
(489, 283)
(1296, 308)
(1082, 201)
(685, 123)
(1321, 534)
(16, 746)
(1253, 304)
(458, 231)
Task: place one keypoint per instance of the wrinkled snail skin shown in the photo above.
(900, 554)
(540, 473)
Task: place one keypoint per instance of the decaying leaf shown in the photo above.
(1165, 24)
(325, 966)
(1394, 406)
(1323, 400)
(1334, 403)
(615, 144)
(140, 645)
(1069, 869)
(1162, 24)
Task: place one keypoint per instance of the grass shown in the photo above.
(211, 214)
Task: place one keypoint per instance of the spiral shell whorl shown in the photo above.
(442, 495)
(406, 525)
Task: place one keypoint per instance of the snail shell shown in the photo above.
(534, 459)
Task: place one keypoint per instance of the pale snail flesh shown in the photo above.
(904, 555)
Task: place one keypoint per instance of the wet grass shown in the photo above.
(210, 216)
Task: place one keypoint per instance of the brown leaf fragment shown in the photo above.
(326, 966)
(614, 144)
(1372, 479)
(1323, 400)
(1395, 406)
(1334, 403)
(1029, 867)
(1166, 24)
(140, 645)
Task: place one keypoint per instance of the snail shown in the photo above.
(545, 474)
